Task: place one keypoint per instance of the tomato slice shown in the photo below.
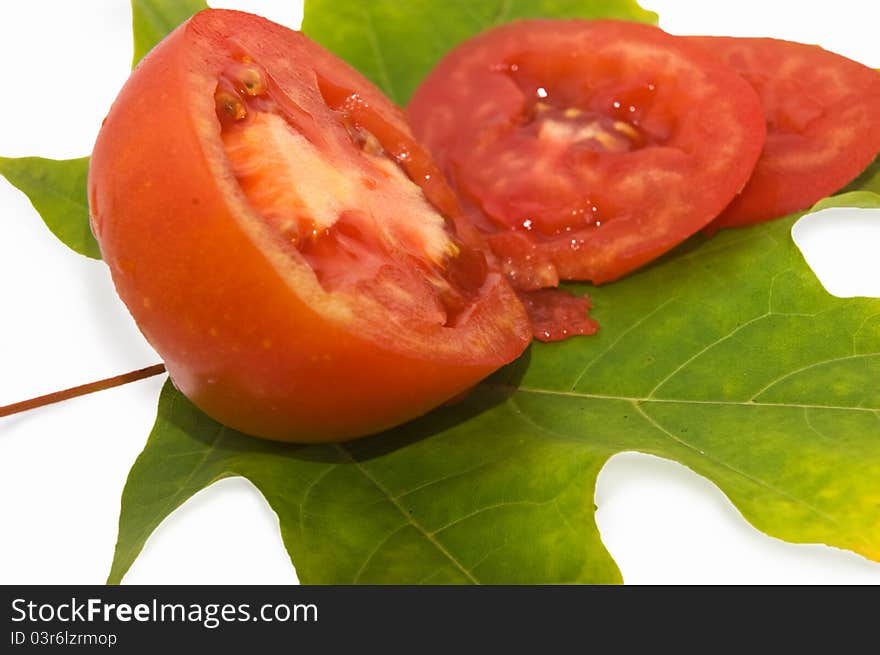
(585, 149)
(284, 243)
(823, 123)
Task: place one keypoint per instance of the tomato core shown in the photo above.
(557, 128)
(581, 117)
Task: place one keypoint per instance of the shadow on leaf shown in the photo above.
(183, 416)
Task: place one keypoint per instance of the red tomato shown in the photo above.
(823, 123)
(585, 149)
(283, 242)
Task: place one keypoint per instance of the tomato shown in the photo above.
(823, 123)
(283, 242)
(585, 149)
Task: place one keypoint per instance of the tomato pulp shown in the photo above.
(823, 123)
(585, 149)
(283, 242)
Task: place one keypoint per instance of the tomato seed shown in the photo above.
(250, 79)
(230, 104)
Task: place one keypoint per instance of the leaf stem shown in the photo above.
(82, 390)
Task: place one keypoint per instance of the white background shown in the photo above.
(62, 468)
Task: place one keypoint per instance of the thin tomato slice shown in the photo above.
(585, 149)
(823, 123)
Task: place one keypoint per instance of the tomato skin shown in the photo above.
(220, 302)
(823, 115)
(602, 143)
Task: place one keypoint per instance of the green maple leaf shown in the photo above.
(57, 188)
(727, 356)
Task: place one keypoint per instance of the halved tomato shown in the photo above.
(285, 244)
(823, 123)
(585, 149)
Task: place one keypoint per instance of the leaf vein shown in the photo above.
(418, 526)
(733, 469)
(487, 555)
(860, 328)
(445, 478)
(803, 369)
(623, 334)
(488, 508)
(565, 519)
(813, 428)
(702, 351)
(690, 401)
(308, 491)
(384, 540)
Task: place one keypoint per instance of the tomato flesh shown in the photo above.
(556, 314)
(282, 241)
(337, 220)
(585, 149)
(823, 123)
